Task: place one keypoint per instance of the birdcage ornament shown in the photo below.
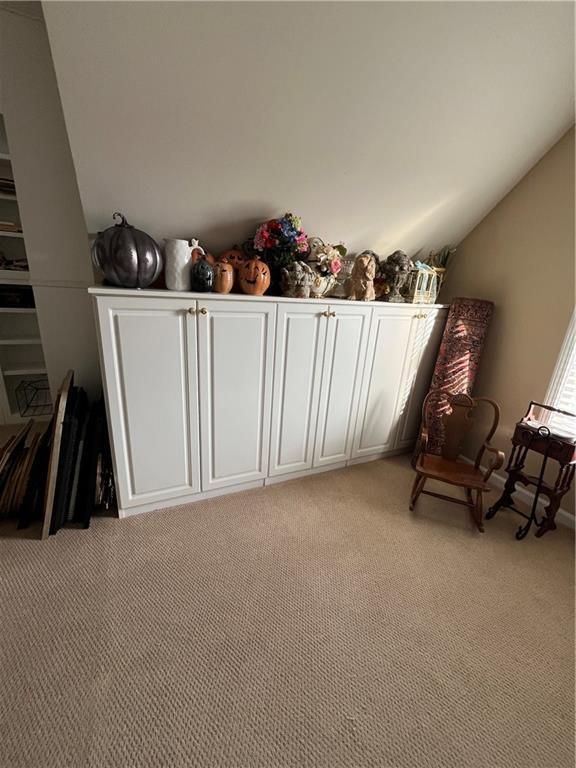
(422, 284)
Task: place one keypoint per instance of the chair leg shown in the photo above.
(478, 512)
(417, 488)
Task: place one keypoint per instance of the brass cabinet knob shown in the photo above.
(191, 311)
(332, 314)
(325, 313)
(203, 311)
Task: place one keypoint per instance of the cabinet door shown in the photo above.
(300, 338)
(386, 359)
(424, 344)
(236, 349)
(148, 350)
(346, 338)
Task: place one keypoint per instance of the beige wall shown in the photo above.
(385, 125)
(521, 257)
(52, 218)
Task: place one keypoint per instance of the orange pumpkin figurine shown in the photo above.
(236, 258)
(223, 276)
(254, 276)
(233, 255)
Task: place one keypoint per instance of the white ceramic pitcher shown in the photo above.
(177, 262)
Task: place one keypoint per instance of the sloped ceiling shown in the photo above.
(385, 125)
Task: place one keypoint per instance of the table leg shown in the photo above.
(506, 499)
(548, 523)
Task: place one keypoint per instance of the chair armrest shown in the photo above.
(423, 440)
(497, 460)
(421, 445)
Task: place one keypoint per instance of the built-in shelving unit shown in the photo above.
(22, 363)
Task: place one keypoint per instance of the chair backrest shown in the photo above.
(459, 414)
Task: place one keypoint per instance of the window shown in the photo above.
(562, 390)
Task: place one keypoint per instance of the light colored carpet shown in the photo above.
(317, 623)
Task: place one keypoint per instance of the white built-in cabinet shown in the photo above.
(402, 350)
(320, 350)
(149, 355)
(299, 356)
(211, 394)
(236, 364)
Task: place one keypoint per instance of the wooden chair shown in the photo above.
(458, 420)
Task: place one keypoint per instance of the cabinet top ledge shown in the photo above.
(155, 293)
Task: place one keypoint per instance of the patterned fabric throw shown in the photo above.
(458, 359)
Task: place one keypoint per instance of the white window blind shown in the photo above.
(562, 390)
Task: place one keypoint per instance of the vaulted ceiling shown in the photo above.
(385, 125)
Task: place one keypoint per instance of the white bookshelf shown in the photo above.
(21, 354)
(9, 276)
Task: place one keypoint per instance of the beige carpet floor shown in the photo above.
(317, 623)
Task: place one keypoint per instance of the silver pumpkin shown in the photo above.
(127, 256)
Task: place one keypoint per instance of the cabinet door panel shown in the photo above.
(149, 355)
(386, 359)
(300, 337)
(424, 350)
(342, 373)
(235, 342)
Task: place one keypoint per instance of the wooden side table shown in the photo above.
(540, 433)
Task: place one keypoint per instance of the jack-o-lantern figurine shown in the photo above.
(233, 255)
(202, 275)
(236, 258)
(223, 276)
(254, 277)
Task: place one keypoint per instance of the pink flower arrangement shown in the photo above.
(327, 258)
(283, 234)
(335, 266)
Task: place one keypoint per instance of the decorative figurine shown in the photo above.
(342, 285)
(127, 256)
(202, 275)
(223, 276)
(254, 277)
(326, 261)
(361, 286)
(395, 271)
(322, 285)
(297, 280)
(235, 256)
(421, 285)
(315, 244)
